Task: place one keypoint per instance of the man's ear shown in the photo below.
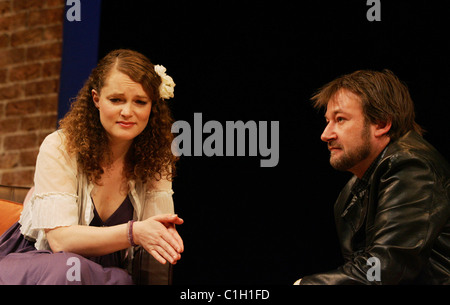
(382, 128)
(95, 98)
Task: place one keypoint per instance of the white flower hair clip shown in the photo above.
(167, 85)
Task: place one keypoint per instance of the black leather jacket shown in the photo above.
(402, 218)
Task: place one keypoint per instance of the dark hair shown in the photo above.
(150, 156)
(383, 96)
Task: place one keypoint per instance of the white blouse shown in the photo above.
(62, 194)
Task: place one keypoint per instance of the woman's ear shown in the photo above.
(95, 98)
(382, 128)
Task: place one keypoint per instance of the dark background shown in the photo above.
(262, 61)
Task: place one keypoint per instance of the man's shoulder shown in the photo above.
(413, 150)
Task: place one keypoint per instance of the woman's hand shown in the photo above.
(159, 237)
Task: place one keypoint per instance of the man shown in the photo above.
(393, 216)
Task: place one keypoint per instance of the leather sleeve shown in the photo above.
(408, 206)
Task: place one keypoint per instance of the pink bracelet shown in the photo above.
(130, 233)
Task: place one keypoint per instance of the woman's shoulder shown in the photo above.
(54, 145)
(159, 185)
(56, 139)
(56, 136)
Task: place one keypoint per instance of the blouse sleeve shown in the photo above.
(158, 198)
(54, 201)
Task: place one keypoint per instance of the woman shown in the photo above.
(102, 183)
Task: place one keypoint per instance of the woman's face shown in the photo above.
(124, 107)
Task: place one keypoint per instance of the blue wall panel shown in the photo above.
(80, 48)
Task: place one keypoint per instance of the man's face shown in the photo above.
(348, 134)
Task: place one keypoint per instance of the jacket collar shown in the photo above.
(362, 184)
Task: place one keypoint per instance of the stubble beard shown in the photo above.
(351, 158)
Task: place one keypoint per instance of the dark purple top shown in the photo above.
(123, 214)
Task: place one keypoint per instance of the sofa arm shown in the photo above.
(148, 271)
(14, 193)
(9, 214)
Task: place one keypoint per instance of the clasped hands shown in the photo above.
(159, 237)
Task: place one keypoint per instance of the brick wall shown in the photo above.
(30, 61)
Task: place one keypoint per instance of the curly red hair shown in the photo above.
(150, 155)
